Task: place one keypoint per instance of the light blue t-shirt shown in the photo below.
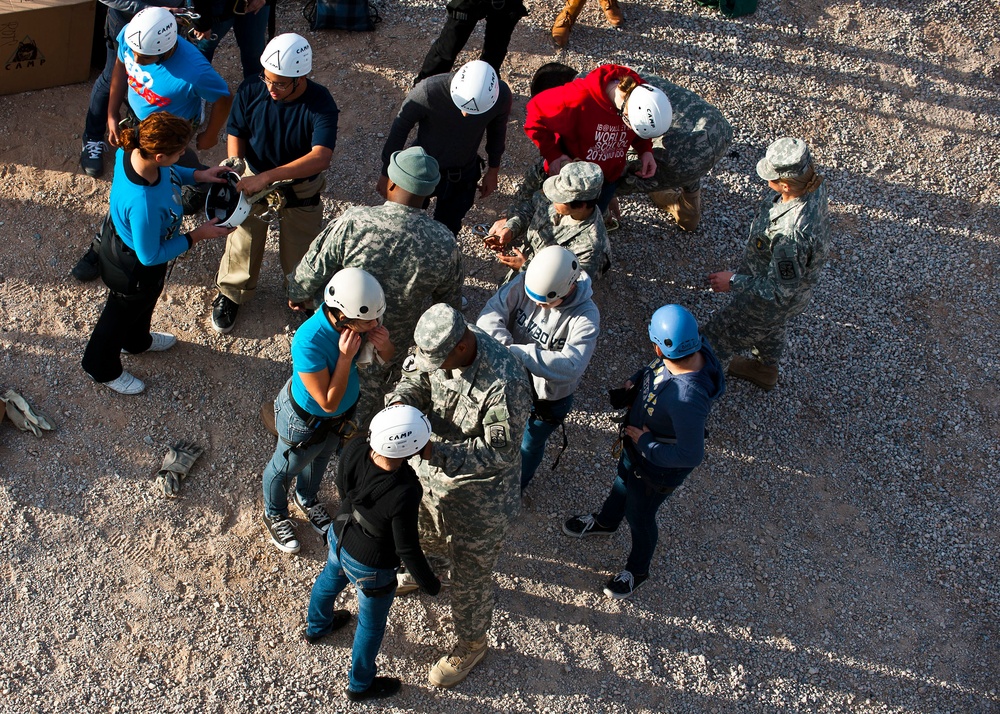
(176, 85)
(315, 347)
(148, 216)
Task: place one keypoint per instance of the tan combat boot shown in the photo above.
(684, 206)
(452, 669)
(564, 21)
(754, 371)
(612, 12)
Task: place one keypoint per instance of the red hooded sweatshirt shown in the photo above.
(578, 119)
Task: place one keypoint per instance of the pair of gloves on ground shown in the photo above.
(15, 408)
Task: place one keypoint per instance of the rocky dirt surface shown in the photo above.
(836, 552)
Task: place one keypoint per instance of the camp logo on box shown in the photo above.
(26, 55)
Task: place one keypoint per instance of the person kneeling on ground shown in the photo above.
(314, 408)
(375, 529)
(663, 441)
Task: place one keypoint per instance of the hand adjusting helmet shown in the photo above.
(551, 274)
(152, 32)
(648, 110)
(399, 432)
(475, 87)
(675, 331)
(227, 203)
(288, 55)
(355, 293)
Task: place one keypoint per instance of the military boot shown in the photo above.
(754, 371)
(613, 12)
(452, 669)
(564, 21)
(684, 206)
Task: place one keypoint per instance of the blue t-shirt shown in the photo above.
(176, 85)
(280, 132)
(148, 216)
(315, 347)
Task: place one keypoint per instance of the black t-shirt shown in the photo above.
(393, 515)
(281, 132)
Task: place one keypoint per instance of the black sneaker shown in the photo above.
(380, 688)
(317, 514)
(282, 533)
(224, 314)
(580, 526)
(92, 158)
(340, 618)
(623, 585)
(88, 267)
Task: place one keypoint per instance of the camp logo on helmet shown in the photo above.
(400, 437)
(471, 105)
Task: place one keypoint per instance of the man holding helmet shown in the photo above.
(283, 127)
(477, 397)
(452, 113)
(314, 408)
(663, 439)
(415, 258)
(547, 318)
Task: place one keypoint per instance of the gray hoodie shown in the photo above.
(554, 344)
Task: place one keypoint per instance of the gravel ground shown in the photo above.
(836, 552)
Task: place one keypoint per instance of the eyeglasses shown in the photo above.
(276, 86)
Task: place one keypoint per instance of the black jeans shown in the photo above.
(462, 19)
(455, 198)
(124, 324)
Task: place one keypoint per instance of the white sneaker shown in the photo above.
(126, 384)
(162, 341)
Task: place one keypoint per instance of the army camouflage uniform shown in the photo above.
(536, 223)
(472, 480)
(785, 254)
(416, 261)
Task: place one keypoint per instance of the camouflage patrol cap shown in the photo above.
(578, 181)
(785, 158)
(438, 330)
(414, 170)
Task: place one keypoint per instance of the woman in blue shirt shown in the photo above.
(315, 405)
(140, 236)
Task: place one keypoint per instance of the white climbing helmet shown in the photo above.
(152, 32)
(355, 293)
(399, 431)
(226, 202)
(649, 111)
(475, 87)
(551, 274)
(288, 55)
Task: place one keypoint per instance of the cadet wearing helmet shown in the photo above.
(785, 253)
(452, 113)
(564, 212)
(547, 318)
(374, 530)
(283, 127)
(663, 439)
(476, 394)
(597, 119)
(315, 406)
(415, 258)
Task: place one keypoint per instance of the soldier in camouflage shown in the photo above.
(698, 138)
(564, 212)
(414, 257)
(477, 396)
(785, 254)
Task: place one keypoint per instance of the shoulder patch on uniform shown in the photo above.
(786, 269)
(409, 364)
(496, 425)
(498, 436)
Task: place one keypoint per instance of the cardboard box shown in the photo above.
(44, 43)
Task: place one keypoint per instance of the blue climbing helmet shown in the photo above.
(675, 331)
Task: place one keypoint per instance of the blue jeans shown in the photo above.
(537, 432)
(100, 94)
(307, 464)
(372, 611)
(250, 31)
(607, 193)
(635, 500)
